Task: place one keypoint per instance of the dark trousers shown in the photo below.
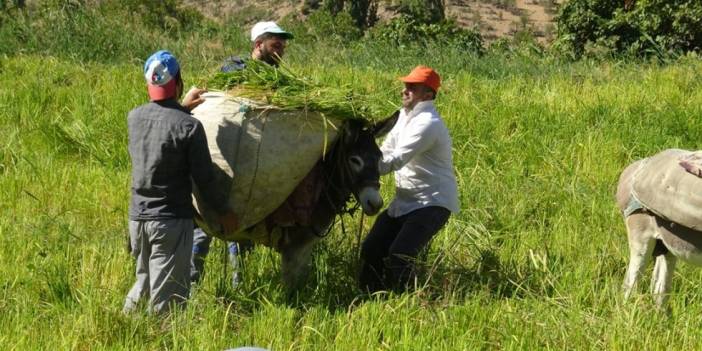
(389, 251)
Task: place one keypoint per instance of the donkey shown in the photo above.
(350, 168)
(651, 236)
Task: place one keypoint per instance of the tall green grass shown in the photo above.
(534, 260)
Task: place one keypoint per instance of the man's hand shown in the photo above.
(229, 222)
(193, 98)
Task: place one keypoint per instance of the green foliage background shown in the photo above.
(646, 28)
(534, 260)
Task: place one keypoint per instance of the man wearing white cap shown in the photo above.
(168, 151)
(268, 42)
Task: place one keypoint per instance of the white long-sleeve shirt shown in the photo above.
(418, 149)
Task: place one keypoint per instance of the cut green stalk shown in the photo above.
(281, 87)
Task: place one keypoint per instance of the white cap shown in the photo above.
(268, 27)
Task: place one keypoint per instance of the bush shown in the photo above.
(644, 28)
(321, 25)
(404, 31)
(423, 11)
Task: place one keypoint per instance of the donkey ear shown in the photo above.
(351, 129)
(383, 127)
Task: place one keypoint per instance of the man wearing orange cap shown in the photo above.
(169, 153)
(418, 150)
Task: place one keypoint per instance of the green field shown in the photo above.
(534, 260)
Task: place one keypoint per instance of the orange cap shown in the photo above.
(424, 75)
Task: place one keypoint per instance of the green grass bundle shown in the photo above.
(281, 87)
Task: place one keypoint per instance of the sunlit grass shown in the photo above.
(534, 260)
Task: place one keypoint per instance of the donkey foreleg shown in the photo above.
(662, 277)
(296, 253)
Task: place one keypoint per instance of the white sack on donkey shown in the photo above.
(666, 188)
(265, 150)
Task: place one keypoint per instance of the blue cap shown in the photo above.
(160, 68)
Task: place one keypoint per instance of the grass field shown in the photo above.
(534, 260)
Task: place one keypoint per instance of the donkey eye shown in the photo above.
(356, 163)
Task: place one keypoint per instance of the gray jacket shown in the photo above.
(168, 148)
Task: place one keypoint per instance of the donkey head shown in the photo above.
(360, 156)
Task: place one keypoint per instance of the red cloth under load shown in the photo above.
(298, 207)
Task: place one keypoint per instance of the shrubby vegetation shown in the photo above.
(631, 28)
(325, 26)
(74, 29)
(419, 23)
(364, 12)
(423, 11)
(634, 28)
(86, 31)
(406, 31)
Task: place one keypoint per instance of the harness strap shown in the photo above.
(633, 206)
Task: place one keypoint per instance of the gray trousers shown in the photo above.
(162, 251)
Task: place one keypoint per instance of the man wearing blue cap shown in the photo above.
(169, 153)
(268, 42)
